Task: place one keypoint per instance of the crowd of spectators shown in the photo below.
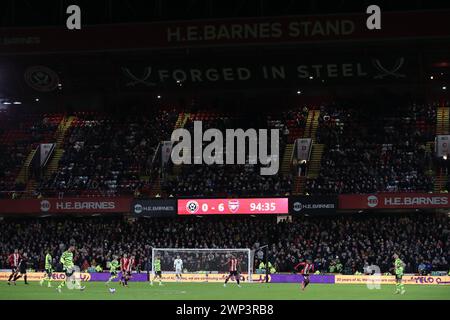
(19, 134)
(108, 154)
(335, 244)
(366, 152)
(224, 179)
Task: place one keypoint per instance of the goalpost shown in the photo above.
(204, 261)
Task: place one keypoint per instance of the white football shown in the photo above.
(112, 290)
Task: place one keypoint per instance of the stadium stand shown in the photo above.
(368, 152)
(19, 134)
(221, 180)
(107, 154)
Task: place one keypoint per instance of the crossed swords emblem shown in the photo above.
(385, 72)
(136, 80)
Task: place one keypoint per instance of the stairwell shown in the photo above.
(181, 122)
(287, 159)
(30, 187)
(309, 120)
(440, 182)
(299, 185)
(312, 123)
(53, 165)
(315, 161)
(54, 162)
(317, 149)
(22, 177)
(442, 120)
(442, 127)
(156, 188)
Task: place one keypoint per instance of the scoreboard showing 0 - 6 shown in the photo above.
(233, 206)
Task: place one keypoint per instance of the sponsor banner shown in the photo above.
(395, 201)
(296, 278)
(442, 145)
(261, 30)
(166, 150)
(154, 208)
(209, 277)
(45, 150)
(279, 70)
(67, 205)
(57, 276)
(303, 148)
(220, 277)
(363, 279)
(104, 276)
(274, 278)
(313, 204)
(85, 205)
(233, 206)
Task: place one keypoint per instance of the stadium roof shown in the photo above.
(123, 39)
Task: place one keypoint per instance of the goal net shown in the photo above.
(204, 261)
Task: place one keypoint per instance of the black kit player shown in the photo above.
(233, 267)
(306, 268)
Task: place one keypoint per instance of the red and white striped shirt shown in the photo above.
(124, 263)
(14, 260)
(233, 264)
(307, 267)
(131, 264)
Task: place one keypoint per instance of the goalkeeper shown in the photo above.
(68, 268)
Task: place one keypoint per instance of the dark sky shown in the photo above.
(21, 13)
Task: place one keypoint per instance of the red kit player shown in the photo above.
(306, 268)
(233, 266)
(13, 260)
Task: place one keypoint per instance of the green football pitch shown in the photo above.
(216, 291)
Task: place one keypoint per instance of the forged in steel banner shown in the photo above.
(395, 201)
(154, 208)
(233, 206)
(232, 32)
(274, 70)
(67, 205)
(313, 204)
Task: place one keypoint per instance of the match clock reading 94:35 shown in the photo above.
(233, 206)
